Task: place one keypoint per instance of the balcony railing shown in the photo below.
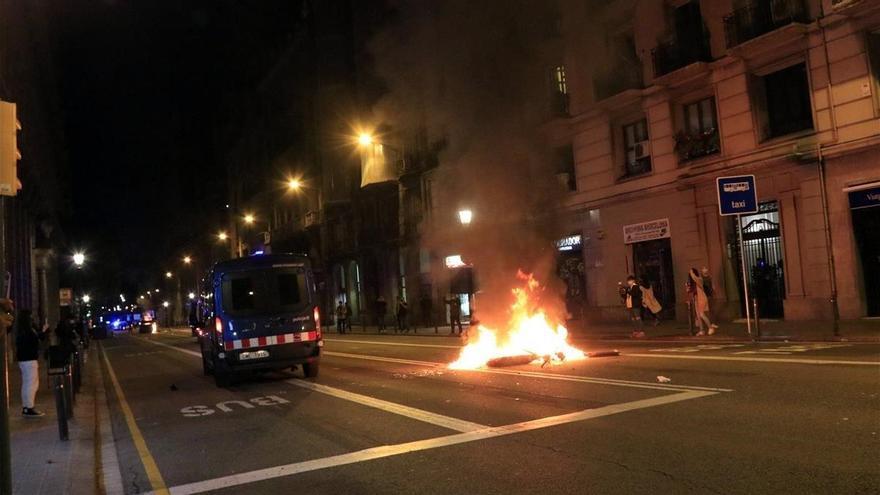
(762, 17)
(693, 145)
(680, 53)
(608, 84)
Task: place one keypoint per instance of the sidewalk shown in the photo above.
(794, 331)
(41, 462)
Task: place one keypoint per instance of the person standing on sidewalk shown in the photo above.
(402, 313)
(348, 315)
(27, 351)
(381, 310)
(340, 318)
(634, 305)
(701, 305)
(454, 314)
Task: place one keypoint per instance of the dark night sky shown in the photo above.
(145, 87)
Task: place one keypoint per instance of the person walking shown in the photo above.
(340, 318)
(634, 305)
(27, 351)
(402, 313)
(454, 314)
(650, 302)
(381, 310)
(701, 304)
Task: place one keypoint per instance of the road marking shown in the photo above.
(535, 374)
(392, 407)
(428, 444)
(152, 470)
(411, 412)
(401, 344)
(759, 359)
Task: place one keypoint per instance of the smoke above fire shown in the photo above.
(472, 79)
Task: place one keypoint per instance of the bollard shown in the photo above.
(757, 318)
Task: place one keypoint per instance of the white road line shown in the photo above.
(410, 412)
(392, 407)
(759, 360)
(535, 374)
(422, 445)
(400, 344)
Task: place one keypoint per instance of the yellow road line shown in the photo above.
(153, 474)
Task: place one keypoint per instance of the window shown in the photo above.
(289, 289)
(873, 42)
(239, 294)
(637, 149)
(559, 93)
(565, 167)
(699, 135)
(786, 100)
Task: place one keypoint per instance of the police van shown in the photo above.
(259, 313)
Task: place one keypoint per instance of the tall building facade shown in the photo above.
(666, 96)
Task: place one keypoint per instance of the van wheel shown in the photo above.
(310, 370)
(206, 370)
(222, 374)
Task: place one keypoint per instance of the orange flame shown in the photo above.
(529, 334)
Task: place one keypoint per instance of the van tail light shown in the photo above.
(218, 326)
(316, 313)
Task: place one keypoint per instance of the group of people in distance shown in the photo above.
(640, 301)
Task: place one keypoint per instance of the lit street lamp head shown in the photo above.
(365, 139)
(79, 259)
(187, 260)
(165, 304)
(191, 295)
(167, 275)
(86, 298)
(249, 218)
(222, 236)
(294, 184)
(465, 216)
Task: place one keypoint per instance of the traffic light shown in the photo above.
(9, 155)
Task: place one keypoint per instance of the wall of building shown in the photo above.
(844, 109)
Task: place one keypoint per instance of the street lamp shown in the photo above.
(86, 298)
(222, 235)
(165, 304)
(365, 139)
(465, 216)
(187, 260)
(167, 275)
(79, 259)
(294, 184)
(249, 219)
(191, 296)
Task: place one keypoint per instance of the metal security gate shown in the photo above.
(762, 248)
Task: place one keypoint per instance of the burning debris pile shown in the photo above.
(528, 338)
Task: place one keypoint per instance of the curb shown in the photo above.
(108, 477)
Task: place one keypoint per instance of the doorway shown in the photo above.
(866, 227)
(762, 249)
(652, 265)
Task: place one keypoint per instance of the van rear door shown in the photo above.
(263, 302)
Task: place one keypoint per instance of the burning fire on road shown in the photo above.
(530, 336)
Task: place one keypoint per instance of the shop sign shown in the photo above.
(454, 261)
(570, 243)
(864, 198)
(646, 231)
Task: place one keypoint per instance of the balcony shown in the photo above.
(616, 81)
(762, 17)
(693, 145)
(674, 55)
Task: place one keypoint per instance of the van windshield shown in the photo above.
(264, 291)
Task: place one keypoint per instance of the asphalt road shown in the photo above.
(385, 417)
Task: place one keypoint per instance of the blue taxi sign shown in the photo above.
(737, 195)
